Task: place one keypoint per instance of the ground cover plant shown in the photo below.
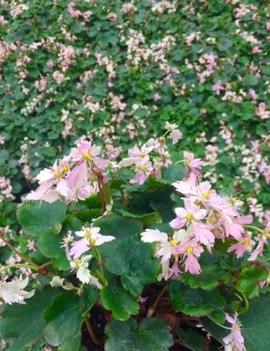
(140, 252)
(134, 172)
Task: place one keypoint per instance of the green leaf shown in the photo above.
(40, 217)
(133, 260)
(195, 302)
(119, 226)
(211, 273)
(250, 80)
(224, 44)
(173, 173)
(118, 301)
(151, 335)
(22, 325)
(50, 246)
(148, 219)
(65, 317)
(256, 325)
(193, 340)
(249, 278)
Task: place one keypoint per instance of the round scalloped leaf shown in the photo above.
(195, 302)
(22, 325)
(65, 316)
(119, 226)
(118, 301)
(151, 334)
(39, 217)
(133, 260)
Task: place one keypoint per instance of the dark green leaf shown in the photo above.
(39, 217)
(22, 325)
(195, 302)
(118, 301)
(193, 340)
(65, 317)
(119, 226)
(151, 335)
(133, 260)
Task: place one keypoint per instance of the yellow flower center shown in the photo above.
(212, 218)
(190, 217)
(189, 249)
(206, 195)
(246, 242)
(58, 174)
(142, 168)
(89, 236)
(87, 156)
(174, 242)
(65, 169)
(77, 262)
(267, 233)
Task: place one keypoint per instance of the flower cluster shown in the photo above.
(205, 217)
(77, 176)
(147, 160)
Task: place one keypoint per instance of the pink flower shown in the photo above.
(191, 213)
(203, 234)
(191, 251)
(91, 237)
(52, 183)
(233, 229)
(112, 17)
(261, 111)
(259, 249)
(79, 247)
(192, 265)
(185, 187)
(143, 170)
(205, 194)
(264, 169)
(166, 250)
(217, 88)
(85, 151)
(174, 132)
(244, 245)
(234, 341)
(31, 245)
(76, 185)
(137, 155)
(193, 164)
(73, 11)
(58, 76)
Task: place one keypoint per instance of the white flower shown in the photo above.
(83, 273)
(12, 292)
(153, 235)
